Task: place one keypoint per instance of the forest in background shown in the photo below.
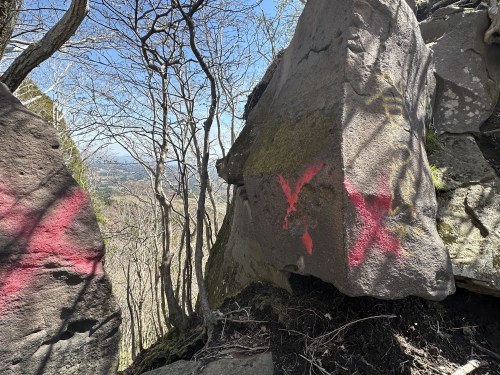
(145, 97)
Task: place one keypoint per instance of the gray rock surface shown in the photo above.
(413, 5)
(177, 368)
(467, 69)
(460, 162)
(260, 364)
(469, 223)
(241, 259)
(57, 313)
(469, 213)
(336, 176)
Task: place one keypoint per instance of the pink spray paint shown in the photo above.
(373, 232)
(293, 197)
(44, 240)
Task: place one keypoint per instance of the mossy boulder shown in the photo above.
(332, 162)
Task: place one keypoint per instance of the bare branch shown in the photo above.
(40, 51)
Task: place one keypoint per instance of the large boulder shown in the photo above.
(467, 69)
(332, 158)
(57, 313)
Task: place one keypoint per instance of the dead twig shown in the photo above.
(331, 335)
(315, 364)
(493, 355)
(238, 346)
(243, 321)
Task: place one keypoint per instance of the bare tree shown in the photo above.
(208, 316)
(41, 50)
(168, 85)
(132, 261)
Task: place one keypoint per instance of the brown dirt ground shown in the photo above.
(318, 330)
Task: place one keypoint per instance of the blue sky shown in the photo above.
(269, 7)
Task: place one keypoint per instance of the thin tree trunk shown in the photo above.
(208, 316)
(154, 304)
(175, 314)
(178, 285)
(131, 312)
(214, 206)
(9, 10)
(158, 298)
(188, 268)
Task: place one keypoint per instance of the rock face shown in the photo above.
(426, 8)
(461, 162)
(57, 313)
(468, 215)
(467, 69)
(332, 158)
(466, 110)
(237, 258)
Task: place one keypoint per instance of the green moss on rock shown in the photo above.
(173, 346)
(221, 280)
(437, 178)
(285, 147)
(445, 231)
(431, 141)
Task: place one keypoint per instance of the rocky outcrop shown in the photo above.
(468, 216)
(57, 313)
(332, 160)
(426, 8)
(467, 69)
(469, 224)
(466, 110)
(460, 163)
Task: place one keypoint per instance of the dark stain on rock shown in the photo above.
(68, 278)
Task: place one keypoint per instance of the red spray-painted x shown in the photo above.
(293, 197)
(373, 231)
(44, 240)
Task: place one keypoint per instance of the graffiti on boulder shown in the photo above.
(45, 241)
(373, 233)
(293, 198)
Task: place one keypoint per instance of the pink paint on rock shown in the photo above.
(45, 242)
(293, 197)
(307, 241)
(373, 232)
